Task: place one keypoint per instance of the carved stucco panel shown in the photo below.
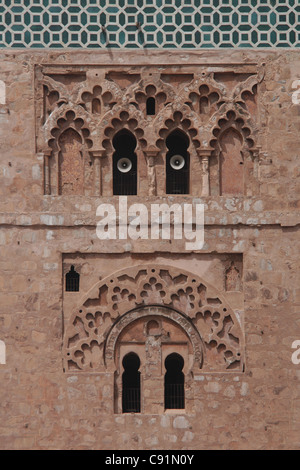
(116, 301)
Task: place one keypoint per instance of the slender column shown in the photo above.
(256, 162)
(47, 183)
(152, 183)
(153, 377)
(256, 157)
(204, 155)
(98, 154)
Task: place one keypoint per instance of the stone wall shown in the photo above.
(45, 406)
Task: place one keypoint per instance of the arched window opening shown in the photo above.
(150, 105)
(131, 384)
(124, 164)
(177, 163)
(174, 382)
(72, 280)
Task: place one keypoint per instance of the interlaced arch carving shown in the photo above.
(128, 118)
(183, 119)
(69, 145)
(204, 95)
(151, 86)
(68, 119)
(234, 119)
(115, 301)
(97, 87)
(63, 118)
(155, 103)
(232, 141)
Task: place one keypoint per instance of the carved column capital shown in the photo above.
(151, 153)
(256, 151)
(98, 153)
(204, 153)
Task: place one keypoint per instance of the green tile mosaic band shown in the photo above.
(190, 24)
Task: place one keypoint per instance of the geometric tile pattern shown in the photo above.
(183, 24)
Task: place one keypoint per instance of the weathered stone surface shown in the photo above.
(250, 260)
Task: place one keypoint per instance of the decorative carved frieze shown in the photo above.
(210, 324)
(205, 104)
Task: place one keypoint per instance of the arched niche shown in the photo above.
(70, 163)
(141, 342)
(231, 162)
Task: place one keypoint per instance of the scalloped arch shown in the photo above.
(61, 113)
(180, 117)
(231, 117)
(121, 117)
(152, 285)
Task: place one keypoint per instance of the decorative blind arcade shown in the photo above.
(149, 23)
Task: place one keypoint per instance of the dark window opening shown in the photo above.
(177, 163)
(174, 382)
(131, 384)
(124, 164)
(204, 104)
(150, 106)
(72, 280)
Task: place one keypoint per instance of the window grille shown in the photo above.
(174, 382)
(72, 280)
(152, 24)
(174, 396)
(151, 106)
(131, 384)
(124, 164)
(131, 399)
(125, 185)
(177, 164)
